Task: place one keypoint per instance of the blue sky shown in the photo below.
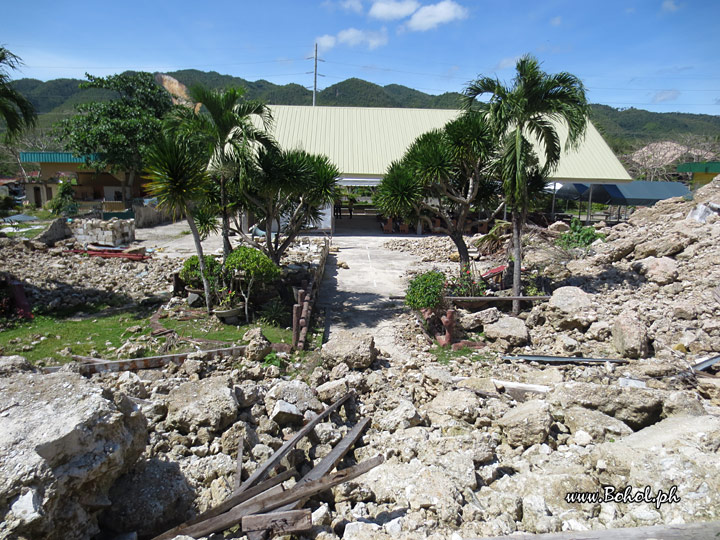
(659, 55)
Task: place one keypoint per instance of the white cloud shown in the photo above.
(505, 63)
(389, 10)
(669, 6)
(325, 43)
(354, 38)
(352, 5)
(429, 17)
(665, 95)
(556, 21)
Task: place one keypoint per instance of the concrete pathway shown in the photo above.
(358, 298)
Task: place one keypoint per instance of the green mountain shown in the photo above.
(623, 128)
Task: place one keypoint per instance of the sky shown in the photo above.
(658, 55)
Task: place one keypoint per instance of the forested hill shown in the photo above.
(57, 98)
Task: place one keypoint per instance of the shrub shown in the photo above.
(425, 291)
(275, 312)
(64, 202)
(190, 272)
(253, 263)
(466, 284)
(578, 236)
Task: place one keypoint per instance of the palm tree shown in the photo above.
(16, 112)
(530, 108)
(443, 175)
(178, 178)
(227, 134)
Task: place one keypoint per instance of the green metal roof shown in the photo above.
(363, 141)
(700, 167)
(54, 157)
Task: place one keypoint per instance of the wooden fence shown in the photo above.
(302, 310)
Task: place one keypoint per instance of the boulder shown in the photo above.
(63, 442)
(258, 346)
(207, 403)
(559, 227)
(599, 426)
(462, 405)
(569, 308)
(630, 336)
(356, 350)
(404, 416)
(662, 270)
(284, 413)
(662, 246)
(331, 391)
(636, 407)
(679, 451)
(10, 365)
(527, 424)
(509, 329)
(150, 499)
(294, 392)
(56, 231)
(472, 321)
(231, 437)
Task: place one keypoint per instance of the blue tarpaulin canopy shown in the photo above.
(637, 193)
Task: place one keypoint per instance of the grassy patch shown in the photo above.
(27, 230)
(211, 328)
(47, 335)
(444, 354)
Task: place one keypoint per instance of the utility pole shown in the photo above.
(315, 72)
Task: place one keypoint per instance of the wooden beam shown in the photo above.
(518, 390)
(278, 522)
(686, 531)
(238, 471)
(263, 470)
(267, 502)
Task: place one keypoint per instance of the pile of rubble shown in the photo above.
(646, 291)
(54, 278)
(145, 451)
(113, 232)
(428, 248)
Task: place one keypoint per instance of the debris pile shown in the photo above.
(113, 232)
(54, 278)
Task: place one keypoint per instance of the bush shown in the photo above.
(466, 284)
(253, 263)
(578, 236)
(63, 204)
(190, 272)
(275, 312)
(425, 291)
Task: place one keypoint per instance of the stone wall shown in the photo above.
(147, 216)
(115, 232)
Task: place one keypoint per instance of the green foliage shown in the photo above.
(444, 355)
(122, 130)
(465, 283)
(190, 272)
(426, 291)
(253, 264)
(63, 204)
(16, 111)
(578, 236)
(272, 359)
(275, 312)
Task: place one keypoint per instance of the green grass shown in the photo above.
(82, 335)
(211, 328)
(445, 354)
(24, 232)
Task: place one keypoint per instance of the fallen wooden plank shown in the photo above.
(236, 499)
(267, 502)
(321, 469)
(686, 531)
(547, 359)
(263, 470)
(278, 522)
(238, 472)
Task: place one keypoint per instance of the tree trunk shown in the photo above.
(459, 240)
(201, 259)
(227, 248)
(517, 256)
(123, 191)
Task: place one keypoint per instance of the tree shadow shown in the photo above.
(609, 278)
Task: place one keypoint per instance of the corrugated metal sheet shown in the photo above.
(52, 157)
(363, 141)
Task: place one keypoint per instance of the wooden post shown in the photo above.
(297, 311)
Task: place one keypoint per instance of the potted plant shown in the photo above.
(190, 273)
(228, 304)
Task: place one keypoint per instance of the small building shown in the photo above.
(702, 172)
(90, 185)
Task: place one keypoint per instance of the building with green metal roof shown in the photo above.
(702, 171)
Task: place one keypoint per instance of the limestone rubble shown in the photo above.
(463, 455)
